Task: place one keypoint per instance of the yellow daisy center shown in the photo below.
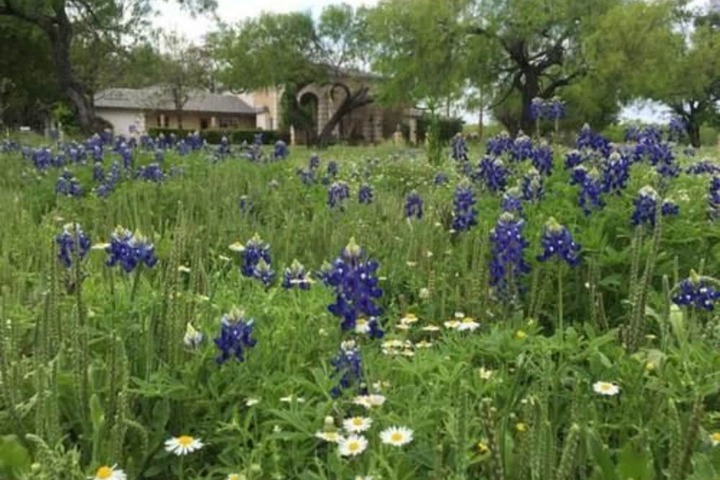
(332, 436)
(482, 447)
(104, 472)
(715, 437)
(185, 440)
(521, 427)
(397, 437)
(354, 446)
(605, 387)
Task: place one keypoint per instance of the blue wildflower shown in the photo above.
(512, 201)
(522, 148)
(332, 169)
(254, 251)
(414, 206)
(573, 158)
(459, 148)
(493, 172)
(533, 186)
(703, 166)
(365, 194)
(281, 150)
(645, 206)
(616, 173)
(555, 108)
(72, 243)
(589, 196)
(464, 212)
(557, 241)
(696, 292)
(130, 250)
(296, 276)
(537, 108)
(508, 265)
(353, 278)
(68, 185)
(440, 179)
(587, 139)
(337, 194)
(307, 175)
(235, 336)
(714, 198)
(348, 366)
(264, 272)
(98, 172)
(669, 208)
(499, 144)
(542, 158)
(151, 173)
(314, 163)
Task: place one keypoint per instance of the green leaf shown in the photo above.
(635, 462)
(14, 458)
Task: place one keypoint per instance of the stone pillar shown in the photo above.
(412, 122)
(293, 139)
(213, 122)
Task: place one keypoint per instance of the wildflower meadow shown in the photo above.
(523, 309)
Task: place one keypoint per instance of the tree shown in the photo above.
(292, 50)
(512, 50)
(680, 66)
(61, 21)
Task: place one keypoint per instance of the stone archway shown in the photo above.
(307, 132)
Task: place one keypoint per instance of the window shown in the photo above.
(228, 122)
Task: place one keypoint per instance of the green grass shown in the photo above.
(99, 374)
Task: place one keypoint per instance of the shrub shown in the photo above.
(235, 136)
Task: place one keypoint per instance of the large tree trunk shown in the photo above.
(693, 131)
(350, 102)
(530, 90)
(60, 33)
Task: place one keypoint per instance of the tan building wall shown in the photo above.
(200, 121)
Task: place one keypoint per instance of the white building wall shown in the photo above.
(121, 120)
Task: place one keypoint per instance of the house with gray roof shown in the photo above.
(129, 109)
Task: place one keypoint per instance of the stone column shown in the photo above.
(413, 130)
(213, 122)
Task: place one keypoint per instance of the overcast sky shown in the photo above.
(231, 11)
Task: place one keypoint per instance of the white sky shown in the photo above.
(232, 11)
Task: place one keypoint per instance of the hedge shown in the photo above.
(234, 136)
(448, 128)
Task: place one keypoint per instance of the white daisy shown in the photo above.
(331, 437)
(183, 445)
(251, 401)
(100, 246)
(468, 324)
(352, 445)
(452, 324)
(109, 473)
(423, 344)
(192, 337)
(715, 439)
(431, 328)
(409, 319)
(357, 424)
(606, 388)
(369, 401)
(184, 269)
(237, 247)
(424, 293)
(292, 398)
(396, 436)
(484, 373)
(236, 476)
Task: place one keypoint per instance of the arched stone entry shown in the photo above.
(309, 103)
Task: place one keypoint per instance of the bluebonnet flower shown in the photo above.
(507, 265)
(97, 152)
(537, 108)
(159, 156)
(182, 148)
(235, 337)
(676, 128)
(632, 133)
(127, 158)
(314, 163)
(493, 172)
(348, 366)
(307, 176)
(223, 149)
(616, 173)
(459, 148)
(254, 251)
(98, 172)
(512, 201)
(696, 292)
(151, 173)
(533, 186)
(587, 139)
(590, 183)
(72, 243)
(353, 278)
(296, 276)
(646, 206)
(555, 108)
(264, 272)
(41, 158)
(499, 144)
(714, 198)
(281, 150)
(332, 169)
(464, 212)
(365, 194)
(129, 250)
(244, 204)
(703, 166)
(557, 241)
(337, 194)
(522, 148)
(574, 158)
(414, 206)
(542, 158)
(68, 185)
(440, 179)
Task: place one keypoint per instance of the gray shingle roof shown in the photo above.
(155, 98)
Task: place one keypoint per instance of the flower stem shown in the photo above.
(561, 325)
